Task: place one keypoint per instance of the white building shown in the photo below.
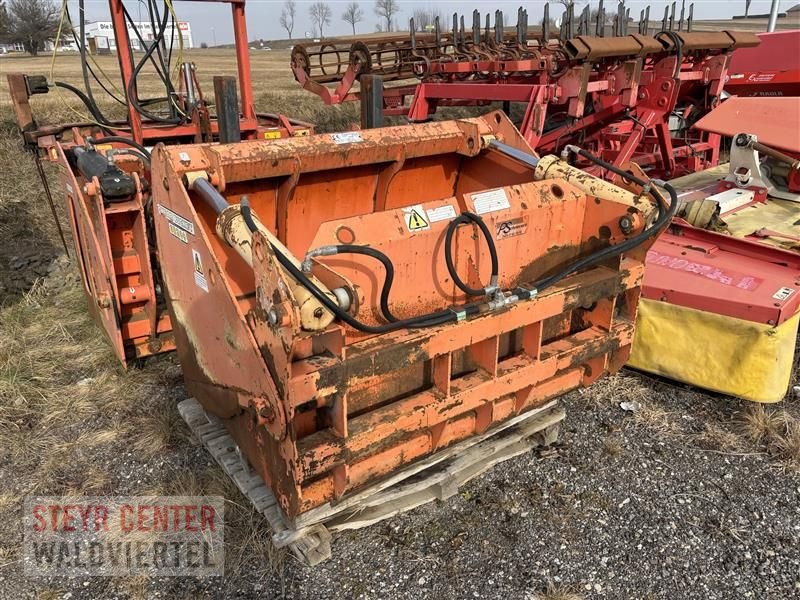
(102, 32)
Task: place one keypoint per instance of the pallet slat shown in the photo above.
(437, 477)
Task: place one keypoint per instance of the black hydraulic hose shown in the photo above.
(387, 265)
(665, 215)
(82, 48)
(132, 83)
(87, 103)
(468, 217)
(156, 66)
(430, 320)
(123, 140)
(159, 42)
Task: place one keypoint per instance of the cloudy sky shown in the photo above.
(211, 20)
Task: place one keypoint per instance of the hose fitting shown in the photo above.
(321, 251)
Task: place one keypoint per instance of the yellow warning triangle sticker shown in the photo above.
(416, 221)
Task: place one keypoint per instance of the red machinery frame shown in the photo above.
(616, 95)
(772, 69)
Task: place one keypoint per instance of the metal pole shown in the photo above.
(371, 101)
(773, 15)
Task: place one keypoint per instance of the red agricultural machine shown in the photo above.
(721, 298)
(623, 96)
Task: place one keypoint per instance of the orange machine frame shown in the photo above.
(321, 414)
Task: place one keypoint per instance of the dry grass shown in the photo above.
(613, 446)
(555, 591)
(760, 424)
(610, 391)
(775, 430)
(274, 87)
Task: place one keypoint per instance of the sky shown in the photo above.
(211, 21)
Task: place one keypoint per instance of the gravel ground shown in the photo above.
(643, 506)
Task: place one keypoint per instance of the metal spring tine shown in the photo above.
(641, 22)
(546, 24)
(584, 28)
(627, 20)
(597, 18)
(672, 17)
(621, 18)
(487, 32)
(646, 20)
(455, 30)
(524, 40)
(600, 29)
(690, 20)
(571, 20)
(519, 25)
(476, 27)
(413, 31)
(683, 12)
(462, 35)
(437, 35)
(499, 29)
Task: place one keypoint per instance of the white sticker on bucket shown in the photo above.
(491, 201)
(176, 219)
(347, 137)
(441, 213)
(783, 293)
(199, 276)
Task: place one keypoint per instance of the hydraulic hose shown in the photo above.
(468, 217)
(665, 215)
(86, 102)
(131, 90)
(387, 264)
(122, 140)
(430, 320)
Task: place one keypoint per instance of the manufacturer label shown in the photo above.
(347, 137)
(178, 233)
(176, 219)
(761, 77)
(486, 202)
(729, 278)
(783, 293)
(415, 218)
(441, 213)
(511, 228)
(199, 277)
(272, 135)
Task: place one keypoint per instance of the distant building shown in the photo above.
(100, 35)
(100, 38)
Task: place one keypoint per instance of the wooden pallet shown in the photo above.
(436, 477)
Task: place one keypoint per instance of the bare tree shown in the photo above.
(425, 17)
(32, 23)
(353, 14)
(387, 9)
(3, 21)
(287, 16)
(320, 14)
